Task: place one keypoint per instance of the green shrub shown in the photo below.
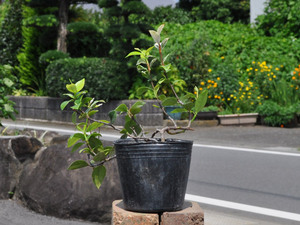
(275, 115)
(84, 39)
(7, 81)
(280, 18)
(105, 78)
(52, 55)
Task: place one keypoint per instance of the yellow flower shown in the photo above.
(222, 57)
(218, 78)
(277, 69)
(270, 79)
(228, 99)
(253, 62)
(209, 70)
(221, 93)
(293, 78)
(202, 83)
(274, 76)
(200, 89)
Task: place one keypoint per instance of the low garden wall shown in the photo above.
(48, 109)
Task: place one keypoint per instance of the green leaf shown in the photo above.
(99, 157)
(78, 164)
(161, 80)
(155, 35)
(8, 82)
(92, 112)
(93, 126)
(94, 142)
(112, 116)
(137, 107)
(201, 101)
(188, 106)
(162, 97)
(98, 175)
(160, 28)
(179, 110)
(142, 90)
(167, 68)
(74, 117)
(76, 146)
(80, 84)
(121, 108)
(133, 53)
(8, 108)
(72, 140)
(64, 104)
(169, 101)
(71, 88)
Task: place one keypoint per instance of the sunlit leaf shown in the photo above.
(80, 84)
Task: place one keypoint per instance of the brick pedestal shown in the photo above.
(192, 214)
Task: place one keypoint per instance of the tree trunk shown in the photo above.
(62, 29)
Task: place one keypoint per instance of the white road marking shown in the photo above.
(248, 150)
(243, 207)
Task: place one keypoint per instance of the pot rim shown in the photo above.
(140, 141)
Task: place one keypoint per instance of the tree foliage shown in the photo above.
(11, 33)
(226, 11)
(281, 18)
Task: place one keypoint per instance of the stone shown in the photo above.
(124, 217)
(192, 214)
(25, 146)
(10, 168)
(47, 187)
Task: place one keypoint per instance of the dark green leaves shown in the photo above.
(78, 164)
(98, 175)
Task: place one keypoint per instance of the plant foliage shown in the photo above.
(102, 75)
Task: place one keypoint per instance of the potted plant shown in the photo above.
(153, 171)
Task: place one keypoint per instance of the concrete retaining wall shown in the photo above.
(48, 109)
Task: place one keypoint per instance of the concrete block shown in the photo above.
(190, 215)
(124, 217)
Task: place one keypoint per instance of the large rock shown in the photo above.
(46, 186)
(25, 147)
(10, 168)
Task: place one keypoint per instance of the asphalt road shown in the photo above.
(248, 177)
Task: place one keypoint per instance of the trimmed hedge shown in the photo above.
(105, 78)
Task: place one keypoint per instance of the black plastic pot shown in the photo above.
(153, 174)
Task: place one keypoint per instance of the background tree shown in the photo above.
(63, 11)
(124, 24)
(281, 18)
(11, 33)
(227, 11)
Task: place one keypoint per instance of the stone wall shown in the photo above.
(48, 109)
